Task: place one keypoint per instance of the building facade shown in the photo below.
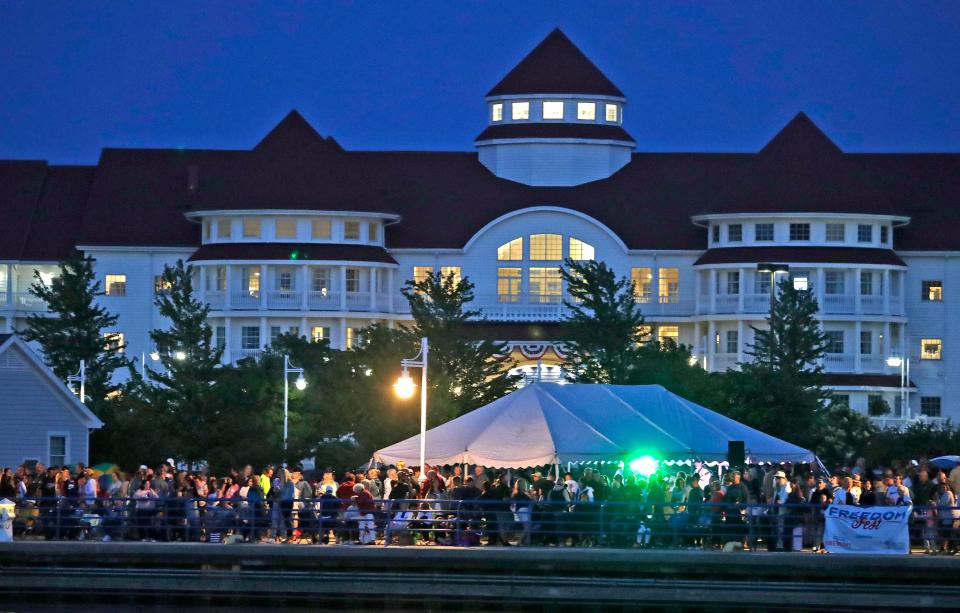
(299, 235)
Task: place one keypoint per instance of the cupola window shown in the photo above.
(587, 111)
(286, 228)
(496, 111)
(520, 110)
(553, 109)
(611, 112)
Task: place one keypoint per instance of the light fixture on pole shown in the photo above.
(154, 355)
(180, 355)
(81, 378)
(301, 384)
(903, 363)
(404, 388)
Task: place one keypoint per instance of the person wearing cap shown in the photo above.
(781, 492)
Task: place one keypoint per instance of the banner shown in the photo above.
(849, 529)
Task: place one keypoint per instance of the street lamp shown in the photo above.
(81, 378)
(404, 388)
(180, 355)
(301, 384)
(154, 355)
(903, 363)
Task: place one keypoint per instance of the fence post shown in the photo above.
(457, 537)
(751, 541)
(57, 507)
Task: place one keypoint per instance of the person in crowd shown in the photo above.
(948, 518)
(895, 493)
(8, 487)
(146, 508)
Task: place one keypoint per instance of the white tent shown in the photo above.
(547, 423)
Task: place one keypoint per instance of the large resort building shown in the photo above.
(299, 235)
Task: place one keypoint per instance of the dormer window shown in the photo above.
(320, 229)
(373, 232)
(520, 110)
(611, 112)
(553, 109)
(351, 230)
(586, 111)
(286, 228)
(251, 228)
(223, 228)
(735, 233)
(496, 111)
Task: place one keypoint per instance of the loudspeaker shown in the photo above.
(736, 454)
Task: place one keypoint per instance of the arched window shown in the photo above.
(580, 250)
(512, 250)
(546, 247)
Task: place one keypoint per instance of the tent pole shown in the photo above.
(556, 466)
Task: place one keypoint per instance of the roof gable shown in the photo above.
(294, 133)
(556, 66)
(800, 138)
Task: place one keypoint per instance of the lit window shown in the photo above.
(553, 109)
(931, 348)
(546, 247)
(320, 281)
(735, 233)
(732, 343)
(611, 112)
(668, 334)
(644, 334)
(763, 232)
(669, 290)
(160, 285)
(834, 341)
(587, 111)
(580, 250)
(545, 285)
(320, 229)
(446, 271)
(319, 333)
(58, 451)
(114, 341)
(799, 231)
(250, 337)
(932, 291)
(373, 232)
(836, 232)
(250, 280)
(116, 285)
(496, 111)
(251, 228)
(420, 273)
(642, 283)
(801, 282)
(354, 338)
(224, 228)
(864, 233)
(351, 230)
(930, 406)
(286, 228)
(520, 110)
(508, 284)
(511, 251)
(352, 277)
(884, 235)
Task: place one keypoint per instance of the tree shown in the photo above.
(878, 407)
(464, 373)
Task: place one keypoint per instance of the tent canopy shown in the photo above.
(546, 423)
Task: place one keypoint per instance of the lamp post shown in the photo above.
(773, 269)
(903, 363)
(81, 378)
(404, 387)
(154, 355)
(301, 384)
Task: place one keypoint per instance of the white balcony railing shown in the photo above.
(25, 301)
(666, 306)
(839, 304)
(323, 301)
(519, 307)
(871, 305)
(872, 363)
(724, 361)
(756, 303)
(239, 354)
(841, 362)
(899, 423)
(216, 300)
(358, 301)
(244, 301)
(726, 303)
(284, 300)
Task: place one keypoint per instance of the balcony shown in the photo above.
(23, 301)
(899, 423)
(831, 304)
(239, 354)
(323, 301)
(666, 306)
(839, 304)
(284, 301)
(724, 361)
(290, 300)
(519, 307)
(839, 362)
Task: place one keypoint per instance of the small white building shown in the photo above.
(42, 421)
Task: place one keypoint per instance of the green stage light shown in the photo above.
(644, 465)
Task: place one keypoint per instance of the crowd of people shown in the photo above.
(689, 506)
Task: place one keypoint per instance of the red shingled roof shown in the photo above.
(292, 251)
(786, 254)
(556, 66)
(852, 380)
(554, 130)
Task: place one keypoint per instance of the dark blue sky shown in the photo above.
(78, 76)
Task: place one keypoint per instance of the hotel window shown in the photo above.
(932, 291)
(58, 450)
(320, 281)
(352, 279)
(836, 232)
(930, 406)
(116, 285)
(833, 282)
(866, 283)
(587, 111)
(864, 233)
(351, 230)
(520, 110)
(251, 228)
(546, 247)
(715, 230)
(286, 228)
(446, 271)
(866, 342)
(834, 341)
(733, 283)
(216, 279)
(732, 338)
(250, 280)
(274, 333)
(763, 232)
(285, 279)
(545, 285)
(113, 341)
(611, 112)
(668, 334)
(669, 290)
(250, 337)
(224, 228)
(801, 280)
(580, 250)
(799, 231)
(644, 334)
(511, 251)
(3, 279)
(420, 273)
(761, 283)
(642, 283)
(354, 338)
(320, 229)
(553, 109)
(735, 233)
(496, 111)
(884, 235)
(220, 337)
(508, 284)
(373, 232)
(319, 333)
(931, 348)
(161, 287)
(840, 400)
(206, 230)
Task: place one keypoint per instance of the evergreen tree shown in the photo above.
(77, 332)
